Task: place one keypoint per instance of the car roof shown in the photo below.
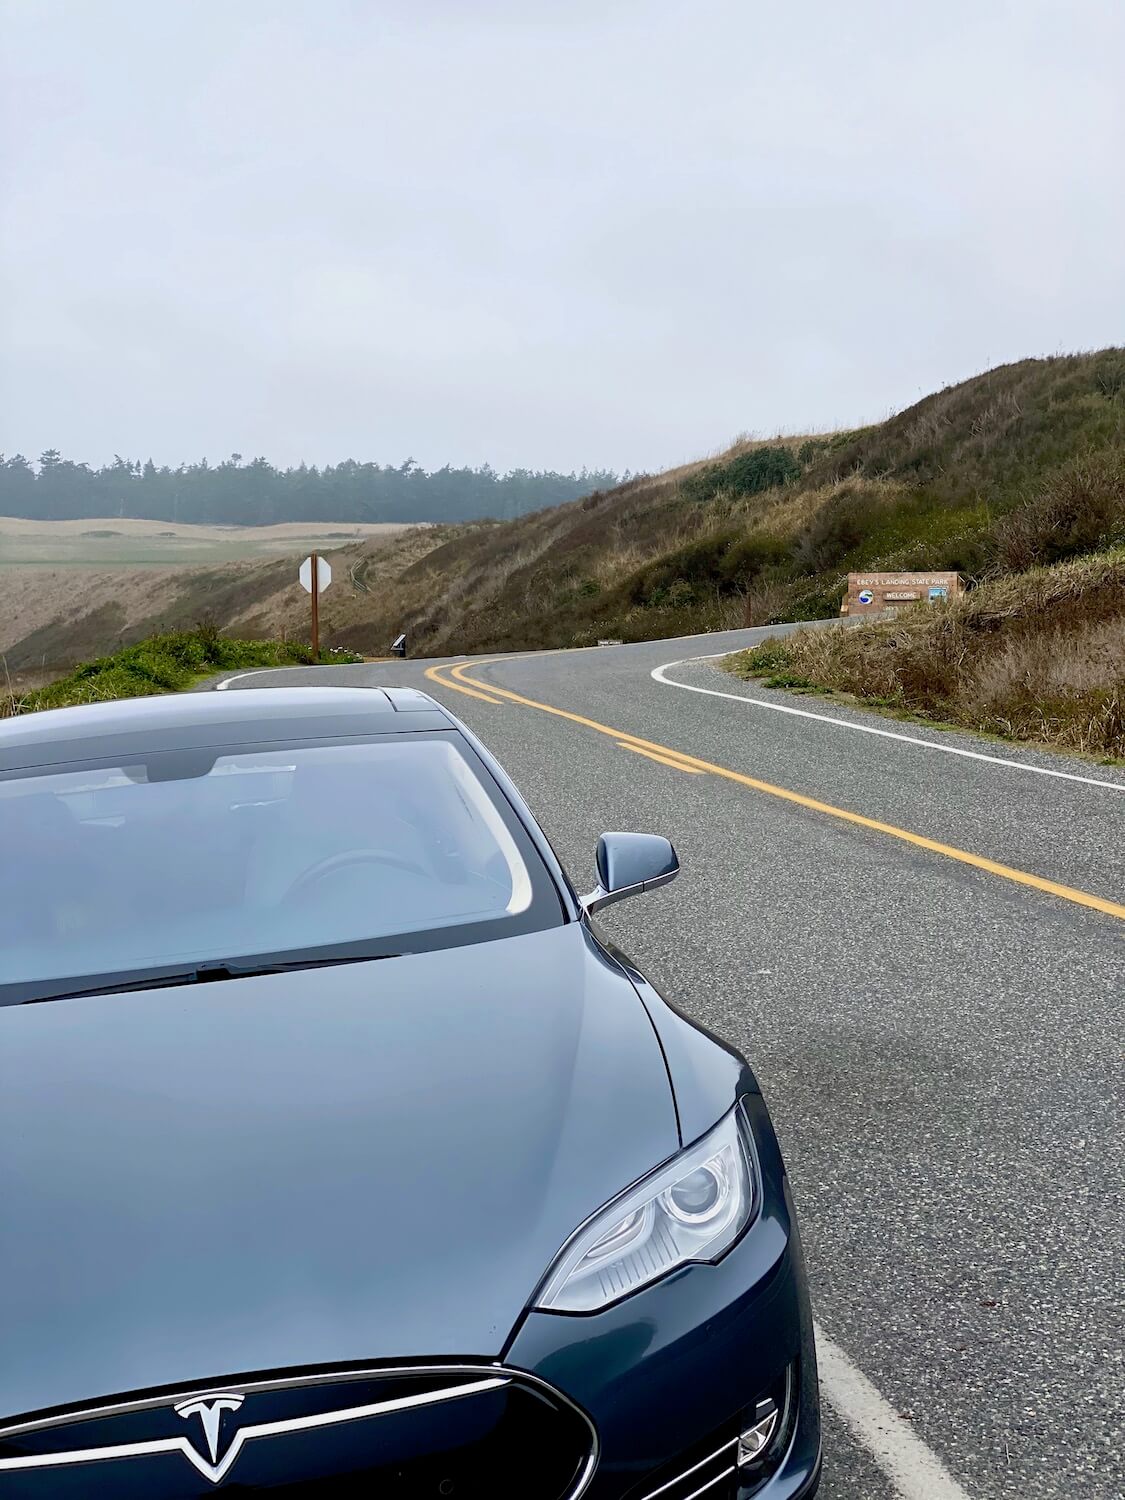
(182, 720)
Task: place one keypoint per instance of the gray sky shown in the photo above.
(540, 232)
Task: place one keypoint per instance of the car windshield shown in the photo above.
(200, 857)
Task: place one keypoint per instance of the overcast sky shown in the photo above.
(540, 232)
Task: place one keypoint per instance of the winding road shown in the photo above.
(918, 938)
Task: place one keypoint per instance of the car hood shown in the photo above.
(370, 1162)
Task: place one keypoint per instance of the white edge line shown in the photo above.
(657, 674)
(914, 1470)
(221, 687)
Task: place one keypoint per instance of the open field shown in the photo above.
(124, 542)
(54, 615)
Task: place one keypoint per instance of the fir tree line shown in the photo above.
(255, 493)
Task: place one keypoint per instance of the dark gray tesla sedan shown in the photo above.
(340, 1156)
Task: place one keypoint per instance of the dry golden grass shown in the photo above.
(1038, 655)
(1063, 686)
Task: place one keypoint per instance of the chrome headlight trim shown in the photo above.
(641, 1236)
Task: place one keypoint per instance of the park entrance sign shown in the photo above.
(886, 593)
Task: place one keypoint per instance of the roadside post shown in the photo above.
(314, 576)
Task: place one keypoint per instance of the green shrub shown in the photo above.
(704, 484)
(722, 563)
(761, 469)
(679, 594)
(747, 556)
(165, 664)
(746, 474)
(699, 562)
(761, 661)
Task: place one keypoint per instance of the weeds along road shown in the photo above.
(919, 941)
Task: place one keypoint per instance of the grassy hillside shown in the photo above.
(1018, 467)
(162, 664)
(1037, 655)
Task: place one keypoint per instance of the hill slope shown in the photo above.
(54, 616)
(1020, 466)
(1017, 467)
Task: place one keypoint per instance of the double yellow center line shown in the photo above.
(456, 677)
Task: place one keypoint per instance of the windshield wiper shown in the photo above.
(205, 973)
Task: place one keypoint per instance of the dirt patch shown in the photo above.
(39, 653)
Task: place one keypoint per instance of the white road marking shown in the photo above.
(913, 1469)
(657, 674)
(238, 676)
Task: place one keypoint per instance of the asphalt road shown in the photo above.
(935, 1021)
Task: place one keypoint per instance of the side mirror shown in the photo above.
(398, 646)
(629, 863)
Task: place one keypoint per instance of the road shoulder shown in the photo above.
(704, 674)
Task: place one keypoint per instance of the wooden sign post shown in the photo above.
(314, 576)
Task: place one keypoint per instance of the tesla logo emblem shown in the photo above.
(209, 1410)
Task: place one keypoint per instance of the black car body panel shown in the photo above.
(706, 1072)
(352, 1164)
(275, 1202)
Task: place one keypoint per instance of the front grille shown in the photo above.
(708, 1470)
(463, 1433)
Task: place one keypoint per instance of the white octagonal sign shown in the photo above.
(323, 575)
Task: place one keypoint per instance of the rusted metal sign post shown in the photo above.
(315, 568)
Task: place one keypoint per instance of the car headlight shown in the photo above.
(690, 1210)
